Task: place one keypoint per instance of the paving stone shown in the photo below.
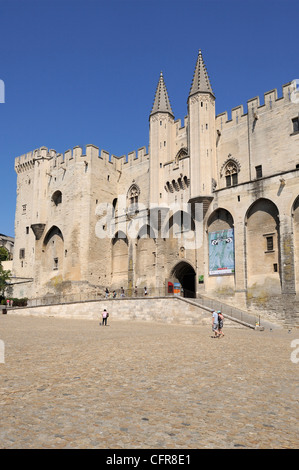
(68, 383)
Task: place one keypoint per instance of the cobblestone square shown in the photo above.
(69, 384)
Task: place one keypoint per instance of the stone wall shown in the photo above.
(155, 310)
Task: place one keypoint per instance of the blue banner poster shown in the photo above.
(221, 252)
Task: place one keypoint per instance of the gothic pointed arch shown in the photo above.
(53, 250)
(146, 231)
(221, 244)
(182, 153)
(120, 235)
(185, 274)
(263, 248)
(146, 252)
(230, 170)
(133, 190)
(220, 219)
(119, 266)
(133, 197)
(54, 230)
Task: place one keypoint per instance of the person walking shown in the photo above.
(105, 315)
(215, 324)
(220, 324)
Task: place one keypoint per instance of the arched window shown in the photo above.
(57, 198)
(182, 153)
(114, 205)
(133, 195)
(187, 181)
(231, 174)
(169, 187)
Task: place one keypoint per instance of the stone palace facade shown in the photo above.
(211, 209)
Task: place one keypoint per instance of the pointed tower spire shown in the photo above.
(201, 82)
(161, 102)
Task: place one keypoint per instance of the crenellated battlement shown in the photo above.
(77, 155)
(26, 161)
(271, 100)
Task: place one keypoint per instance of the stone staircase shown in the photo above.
(233, 314)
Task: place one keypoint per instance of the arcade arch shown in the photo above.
(221, 242)
(145, 256)
(263, 245)
(185, 274)
(295, 217)
(53, 250)
(120, 259)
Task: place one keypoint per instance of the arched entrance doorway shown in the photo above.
(185, 274)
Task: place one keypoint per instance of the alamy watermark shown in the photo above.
(2, 91)
(178, 220)
(295, 353)
(2, 352)
(294, 90)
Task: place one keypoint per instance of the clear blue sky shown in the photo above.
(85, 72)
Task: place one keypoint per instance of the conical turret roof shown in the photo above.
(161, 102)
(201, 82)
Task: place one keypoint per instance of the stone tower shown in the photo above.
(202, 140)
(161, 140)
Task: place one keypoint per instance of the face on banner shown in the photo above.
(221, 252)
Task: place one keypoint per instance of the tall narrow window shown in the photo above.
(114, 205)
(235, 178)
(270, 245)
(259, 171)
(295, 122)
(228, 180)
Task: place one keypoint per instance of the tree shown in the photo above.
(4, 276)
(4, 254)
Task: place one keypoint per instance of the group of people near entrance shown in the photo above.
(113, 295)
(217, 324)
